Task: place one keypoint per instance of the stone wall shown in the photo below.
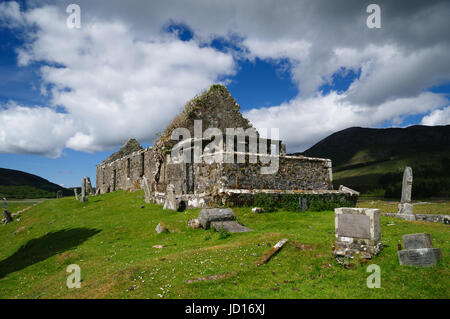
(294, 173)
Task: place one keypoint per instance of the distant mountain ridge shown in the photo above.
(381, 144)
(18, 184)
(370, 159)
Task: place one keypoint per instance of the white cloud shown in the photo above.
(34, 130)
(111, 85)
(437, 117)
(123, 77)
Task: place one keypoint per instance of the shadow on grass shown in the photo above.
(39, 249)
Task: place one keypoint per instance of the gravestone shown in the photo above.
(83, 190)
(418, 251)
(208, 215)
(147, 191)
(357, 231)
(59, 194)
(405, 208)
(229, 225)
(170, 201)
(75, 190)
(303, 203)
(6, 213)
(89, 189)
(161, 228)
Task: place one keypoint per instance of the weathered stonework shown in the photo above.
(203, 184)
(357, 231)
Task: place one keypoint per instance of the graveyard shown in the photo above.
(111, 237)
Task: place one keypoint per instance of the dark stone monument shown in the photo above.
(8, 218)
(418, 251)
(304, 205)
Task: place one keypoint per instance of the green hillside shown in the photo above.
(111, 238)
(18, 185)
(372, 160)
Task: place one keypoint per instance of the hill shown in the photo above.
(372, 160)
(111, 239)
(18, 184)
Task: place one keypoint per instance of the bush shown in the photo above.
(268, 202)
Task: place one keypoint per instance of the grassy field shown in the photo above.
(111, 238)
(434, 207)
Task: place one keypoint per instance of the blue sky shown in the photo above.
(293, 73)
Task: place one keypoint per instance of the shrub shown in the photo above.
(266, 201)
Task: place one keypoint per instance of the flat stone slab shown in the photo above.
(416, 241)
(231, 226)
(208, 215)
(354, 225)
(423, 257)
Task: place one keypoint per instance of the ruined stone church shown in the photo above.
(206, 184)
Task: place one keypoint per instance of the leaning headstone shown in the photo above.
(418, 251)
(147, 191)
(170, 201)
(208, 215)
(357, 231)
(83, 190)
(89, 188)
(75, 190)
(405, 208)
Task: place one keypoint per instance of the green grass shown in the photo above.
(435, 207)
(110, 237)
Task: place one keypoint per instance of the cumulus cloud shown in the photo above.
(122, 76)
(34, 130)
(438, 117)
(110, 84)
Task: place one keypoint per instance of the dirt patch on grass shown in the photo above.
(302, 246)
(210, 278)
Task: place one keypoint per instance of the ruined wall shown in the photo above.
(294, 173)
(126, 172)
